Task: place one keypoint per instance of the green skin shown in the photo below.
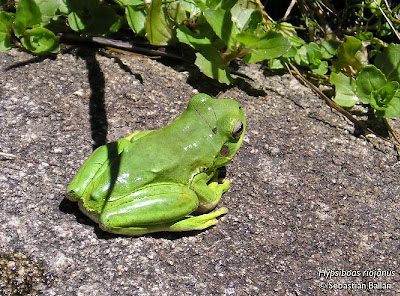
(152, 180)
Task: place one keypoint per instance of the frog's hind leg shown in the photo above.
(159, 207)
(95, 164)
(189, 224)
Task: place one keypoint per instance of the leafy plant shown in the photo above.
(219, 31)
(361, 72)
(242, 35)
(361, 66)
(376, 85)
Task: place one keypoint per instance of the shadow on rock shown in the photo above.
(68, 207)
(97, 112)
(33, 60)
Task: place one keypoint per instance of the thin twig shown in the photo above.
(265, 14)
(30, 159)
(67, 37)
(388, 20)
(391, 130)
(333, 105)
(117, 50)
(289, 9)
(395, 136)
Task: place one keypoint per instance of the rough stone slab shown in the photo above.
(307, 194)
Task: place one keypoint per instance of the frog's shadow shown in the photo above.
(68, 207)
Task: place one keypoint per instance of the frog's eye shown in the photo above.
(237, 130)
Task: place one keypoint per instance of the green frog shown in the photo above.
(154, 180)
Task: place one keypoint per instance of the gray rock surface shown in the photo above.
(307, 194)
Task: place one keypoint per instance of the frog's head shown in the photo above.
(226, 121)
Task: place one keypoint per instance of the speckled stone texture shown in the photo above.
(308, 195)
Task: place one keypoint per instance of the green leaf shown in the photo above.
(158, 31)
(201, 4)
(321, 68)
(365, 36)
(349, 54)
(191, 9)
(381, 98)
(222, 24)
(388, 91)
(389, 62)
(176, 12)
(96, 19)
(368, 80)
(276, 64)
(136, 19)
(27, 15)
(208, 59)
(393, 107)
(81, 16)
(292, 52)
(130, 2)
(246, 19)
(296, 41)
(301, 57)
(314, 53)
(248, 39)
(328, 48)
(223, 4)
(188, 37)
(345, 88)
(40, 40)
(64, 7)
(77, 23)
(83, 8)
(6, 21)
(105, 20)
(271, 45)
(209, 62)
(49, 8)
(5, 42)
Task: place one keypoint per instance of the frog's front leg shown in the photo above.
(154, 208)
(209, 190)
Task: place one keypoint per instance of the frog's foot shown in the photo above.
(192, 223)
(198, 222)
(219, 186)
(210, 192)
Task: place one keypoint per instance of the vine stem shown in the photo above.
(332, 104)
(30, 159)
(124, 46)
(394, 134)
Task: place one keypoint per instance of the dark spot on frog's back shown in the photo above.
(224, 150)
(214, 130)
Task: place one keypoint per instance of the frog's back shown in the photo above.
(173, 154)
